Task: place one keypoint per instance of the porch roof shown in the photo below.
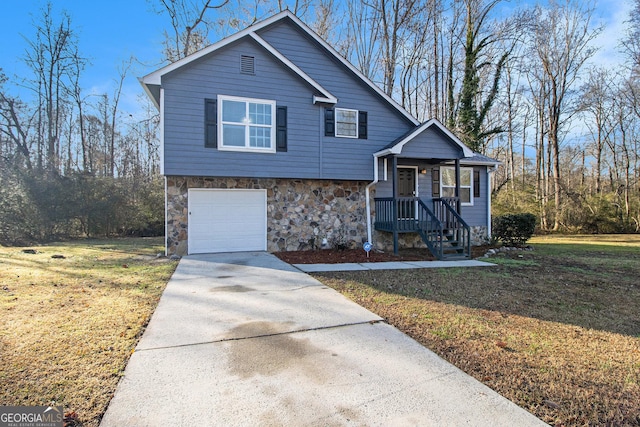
(479, 159)
(396, 147)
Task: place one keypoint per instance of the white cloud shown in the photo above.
(612, 14)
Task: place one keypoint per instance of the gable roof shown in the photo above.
(151, 82)
(396, 146)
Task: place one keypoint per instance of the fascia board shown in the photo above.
(397, 148)
(149, 94)
(468, 152)
(262, 42)
(480, 163)
(155, 77)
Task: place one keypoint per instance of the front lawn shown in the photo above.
(70, 316)
(556, 330)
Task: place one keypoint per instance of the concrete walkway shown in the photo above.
(394, 265)
(245, 340)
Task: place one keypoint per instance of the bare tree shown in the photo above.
(631, 42)
(562, 37)
(395, 19)
(412, 64)
(363, 29)
(597, 103)
(122, 71)
(14, 128)
(324, 24)
(51, 57)
(190, 26)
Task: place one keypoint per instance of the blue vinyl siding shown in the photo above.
(343, 158)
(186, 89)
(309, 153)
(431, 144)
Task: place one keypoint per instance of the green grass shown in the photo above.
(556, 329)
(68, 325)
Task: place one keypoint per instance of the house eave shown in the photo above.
(155, 78)
(149, 89)
(324, 100)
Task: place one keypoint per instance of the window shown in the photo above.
(246, 124)
(448, 184)
(345, 123)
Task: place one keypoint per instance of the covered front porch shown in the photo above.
(436, 220)
(422, 189)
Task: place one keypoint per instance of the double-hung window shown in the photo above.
(448, 184)
(346, 123)
(246, 124)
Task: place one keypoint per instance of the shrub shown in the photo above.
(514, 229)
(36, 207)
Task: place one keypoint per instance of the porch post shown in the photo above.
(458, 202)
(394, 185)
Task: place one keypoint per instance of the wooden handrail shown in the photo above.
(410, 214)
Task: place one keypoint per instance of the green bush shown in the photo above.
(35, 207)
(514, 229)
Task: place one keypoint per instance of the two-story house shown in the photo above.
(270, 140)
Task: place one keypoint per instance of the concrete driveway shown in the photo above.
(244, 339)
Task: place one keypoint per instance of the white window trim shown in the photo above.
(335, 124)
(246, 148)
(470, 203)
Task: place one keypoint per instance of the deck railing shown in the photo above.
(437, 227)
(430, 229)
(456, 229)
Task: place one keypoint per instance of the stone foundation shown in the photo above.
(383, 241)
(300, 213)
(479, 235)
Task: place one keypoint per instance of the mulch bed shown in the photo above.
(330, 256)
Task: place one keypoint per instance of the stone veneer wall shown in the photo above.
(479, 235)
(300, 213)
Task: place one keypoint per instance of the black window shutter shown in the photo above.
(362, 125)
(329, 122)
(281, 128)
(476, 183)
(210, 123)
(435, 182)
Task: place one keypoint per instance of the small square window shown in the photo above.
(346, 123)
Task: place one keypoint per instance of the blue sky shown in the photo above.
(112, 31)
(109, 33)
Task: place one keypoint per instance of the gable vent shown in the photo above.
(247, 64)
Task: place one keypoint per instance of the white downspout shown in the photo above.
(489, 189)
(367, 193)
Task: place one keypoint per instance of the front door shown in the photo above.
(406, 188)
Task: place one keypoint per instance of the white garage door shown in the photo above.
(227, 220)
